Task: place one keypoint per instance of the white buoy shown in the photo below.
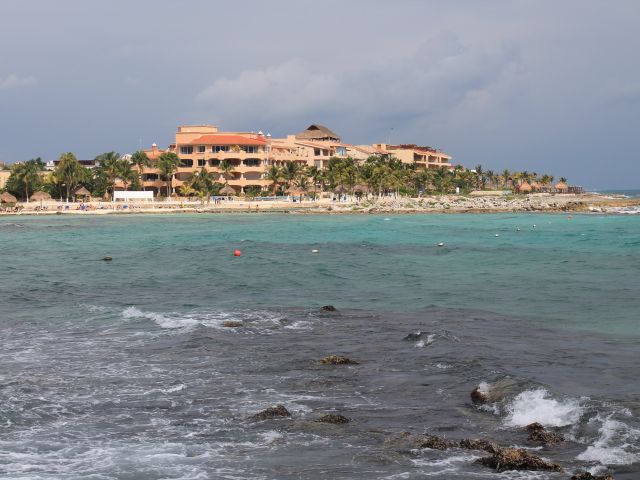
(314, 251)
(534, 226)
(441, 244)
(497, 234)
(517, 229)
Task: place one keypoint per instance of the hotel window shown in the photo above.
(213, 162)
(219, 148)
(202, 162)
(316, 152)
(184, 162)
(186, 150)
(201, 148)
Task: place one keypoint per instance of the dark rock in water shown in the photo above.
(478, 396)
(437, 443)
(328, 308)
(277, 411)
(107, 259)
(232, 324)
(337, 360)
(517, 459)
(537, 433)
(333, 418)
(479, 444)
(412, 337)
(588, 476)
(405, 441)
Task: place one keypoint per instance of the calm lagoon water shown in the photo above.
(123, 369)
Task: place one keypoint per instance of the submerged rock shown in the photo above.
(276, 411)
(517, 459)
(588, 476)
(478, 396)
(107, 259)
(337, 360)
(333, 418)
(232, 324)
(537, 433)
(479, 444)
(328, 308)
(407, 441)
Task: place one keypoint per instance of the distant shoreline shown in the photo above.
(387, 205)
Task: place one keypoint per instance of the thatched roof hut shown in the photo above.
(360, 188)
(40, 196)
(83, 192)
(6, 197)
(339, 190)
(561, 187)
(317, 132)
(227, 190)
(524, 187)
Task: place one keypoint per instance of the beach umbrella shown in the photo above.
(39, 196)
(561, 187)
(83, 192)
(524, 187)
(6, 197)
(227, 190)
(339, 190)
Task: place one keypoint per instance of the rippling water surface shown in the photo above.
(125, 370)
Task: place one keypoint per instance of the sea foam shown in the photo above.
(538, 406)
(617, 443)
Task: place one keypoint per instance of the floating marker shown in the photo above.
(517, 229)
(497, 234)
(107, 259)
(441, 244)
(237, 253)
(314, 251)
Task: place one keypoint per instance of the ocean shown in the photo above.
(125, 370)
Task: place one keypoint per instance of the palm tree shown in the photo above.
(226, 168)
(290, 173)
(480, 175)
(109, 164)
(140, 160)
(506, 178)
(202, 182)
(316, 175)
(27, 175)
(125, 172)
(168, 163)
(70, 172)
(273, 175)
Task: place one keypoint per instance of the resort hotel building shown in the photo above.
(252, 154)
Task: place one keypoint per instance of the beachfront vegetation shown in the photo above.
(376, 176)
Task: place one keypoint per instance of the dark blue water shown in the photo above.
(124, 369)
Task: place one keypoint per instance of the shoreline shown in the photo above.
(444, 204)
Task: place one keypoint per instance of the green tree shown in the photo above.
(274, 175)
(125, 173)
(25, 177)
(203, 183)
(70, 172)
(109, 163)
(168, 163)
(227, 169)
(141, 161)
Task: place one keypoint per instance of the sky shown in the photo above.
(544, 86)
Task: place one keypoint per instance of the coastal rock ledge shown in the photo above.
(276, 411)
(333, 418)
(517, 459)
(537, 433)
(588, 476)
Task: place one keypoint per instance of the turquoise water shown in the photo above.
(127, 370)
(579, 272)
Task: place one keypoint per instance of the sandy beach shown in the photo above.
(588, 202)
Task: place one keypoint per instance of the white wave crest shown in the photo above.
(538, 406)
(617, 443)
(212, 319)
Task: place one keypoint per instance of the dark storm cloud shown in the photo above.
(537, 85)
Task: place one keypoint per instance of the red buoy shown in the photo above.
(237, 253)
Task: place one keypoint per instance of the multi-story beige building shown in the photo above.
(252, 154)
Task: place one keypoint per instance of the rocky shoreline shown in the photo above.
(373, 205)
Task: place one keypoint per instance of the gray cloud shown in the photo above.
(14, 81)
(543, 86)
